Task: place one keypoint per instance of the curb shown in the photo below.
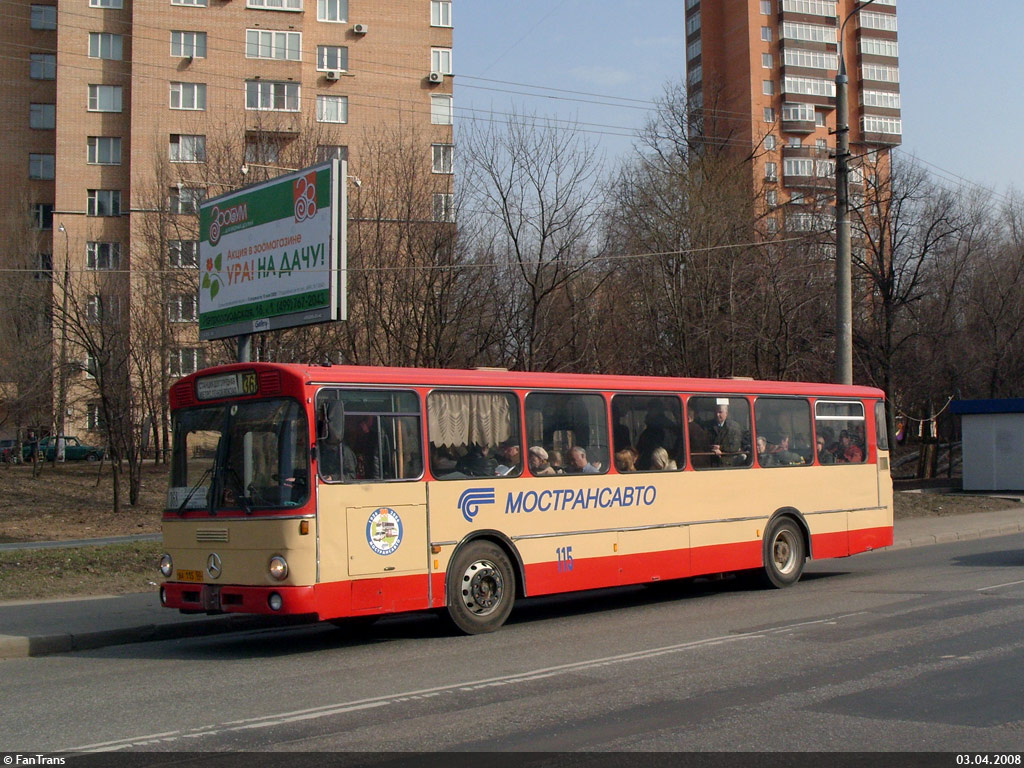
(16, 646)
(927, 539)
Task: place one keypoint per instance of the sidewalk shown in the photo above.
(58, 626)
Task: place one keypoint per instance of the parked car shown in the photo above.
(9, 451)
(74, 450)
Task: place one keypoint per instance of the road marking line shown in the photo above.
(282, 718)
(997, 586)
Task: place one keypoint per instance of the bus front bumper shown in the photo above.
(228, 598)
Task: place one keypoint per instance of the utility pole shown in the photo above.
(844, 280)
(62, 369)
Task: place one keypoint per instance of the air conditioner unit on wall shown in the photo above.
(361, 29)
(436, 77)
(332, 74)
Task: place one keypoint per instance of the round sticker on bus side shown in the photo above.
(384, 531)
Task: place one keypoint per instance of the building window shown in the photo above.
(771, 225)
(808, 86)
(771, 197)
(821, 143)
(188, 96)
(442, 111)
(332, 109)
(42, 66)
(767, 60)
(275, 5)
(42, 116)
(186, 200)
(91, 365)
(182, 254)
(876, 47)
(444, 155)
(331, 10)
(766, 34)
(766, 7)
(262, 148)
(868, 20)
(444, 207)
(185, 361)
(886, 99)
(101, 256)
(819, 119)
(195, 3)
(441, 60)
(188, 44)
(769, 114)
(875, 124)
(332, 57)
(272, 96)
(795, 141)
(440, 13)
(811, 33)
(44, 266)
(326, 152)
(104, 98)
(106, 3)
(771, 171)
(770, 141)
(811, 7)
(102, 309)
(104, 150)
(41, 166)
(182, 308)
(44, 17)
(103, 202)
(880, 73)
(693, 49)
(693, 23)
(268, 44)
(798, 57)
(768, 87)
(42, 215)
(186, 148)
(105, 46)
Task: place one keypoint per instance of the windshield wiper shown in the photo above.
(192, 491)
(243, 500)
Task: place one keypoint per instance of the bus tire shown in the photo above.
(481, 588)
(784, 553)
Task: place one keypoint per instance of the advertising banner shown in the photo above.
(272, 255)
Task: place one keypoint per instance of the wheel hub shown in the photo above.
(482, 587)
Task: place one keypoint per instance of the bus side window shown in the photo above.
(840, 426)
(373, 435)
(783, 432)
(656, 421)
(474, 434)
(572, 429)
(721, 425)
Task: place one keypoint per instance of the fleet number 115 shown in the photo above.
(564, 558)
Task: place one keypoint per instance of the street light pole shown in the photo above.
(62, 372)
(844, 280)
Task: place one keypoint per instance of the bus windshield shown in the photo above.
(239, 457)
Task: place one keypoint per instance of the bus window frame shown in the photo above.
(373, 388)
(756, 431)
(607, 466)
(751, 462)
(870, 457)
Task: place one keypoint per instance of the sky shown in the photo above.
(959, 74)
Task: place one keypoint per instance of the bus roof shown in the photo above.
(490, 377)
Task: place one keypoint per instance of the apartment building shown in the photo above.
(761, 80)
(123, 112)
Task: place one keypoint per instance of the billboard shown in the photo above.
(272, 255)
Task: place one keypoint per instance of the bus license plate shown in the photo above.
(196, 576)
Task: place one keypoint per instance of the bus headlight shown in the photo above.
(278, 568)
(166, 565)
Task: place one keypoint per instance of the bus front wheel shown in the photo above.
(784, 553)
(481, 588)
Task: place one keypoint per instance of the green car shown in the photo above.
(74, 450)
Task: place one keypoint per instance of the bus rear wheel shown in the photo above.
(481, 588)
(784, 553)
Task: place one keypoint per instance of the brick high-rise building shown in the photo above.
(761, 79)
(119, 111)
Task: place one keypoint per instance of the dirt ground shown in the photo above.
(65, 502)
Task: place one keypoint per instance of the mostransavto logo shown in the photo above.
(470, 501)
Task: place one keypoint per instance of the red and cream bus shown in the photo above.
(350, 491)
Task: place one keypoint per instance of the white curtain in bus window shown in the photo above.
(719, 432)
(647, 433)
(841, 424)
(474, 434)
(783, 432)
(572, 428)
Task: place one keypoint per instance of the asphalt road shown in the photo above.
(918, 649)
